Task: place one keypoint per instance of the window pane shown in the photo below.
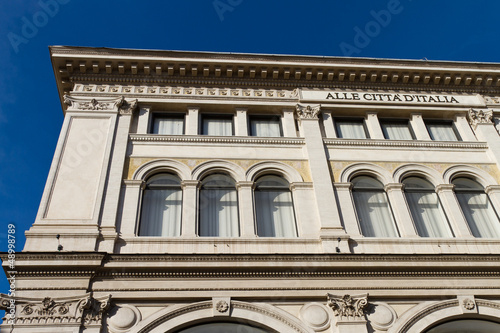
(274, 208)
(217, 126)
(350, 129)
(218, 209)
(168, 125)
(466, 326)
(267, 127)
(222, 328)
(396, 131)
(374, 213)
(442, 131)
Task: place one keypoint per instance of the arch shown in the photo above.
(163, 165)
(176, 317)
(426, 315)
(234, 170)
(418, 170)
(368, 169)
(261, 168)
(481, 176)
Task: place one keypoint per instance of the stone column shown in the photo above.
(328, 124)
(331, 227)
(400, 209)
(373, 126)
(240, 123)
(245, 208)
(482, 123)
(418, 127)
(288, 123)
(189, 207)
(453, 211)
(115, 176)
(347, 209)
(131, 204)
(192, 121)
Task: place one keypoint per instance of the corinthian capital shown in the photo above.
(480, 117)
(307, 111)
(347, 306)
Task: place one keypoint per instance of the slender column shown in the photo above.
(347, 210)
(288, 123)
(241, 126)
(463, 128)
(329, 217)
(373, 126)
(328, 124)
(400, 209)
(192, 121)
(418, 127)
(484, 127)
(189, 207)
(453, 211)
(143, 119)
(130, 210)
(245, 207)
(115, 176)
(493, 192)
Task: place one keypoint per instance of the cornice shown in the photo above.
(406, 144)
(138, 138)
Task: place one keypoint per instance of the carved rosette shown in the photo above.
(307, 111)
(480, 117)
(47, 311)
(348, 307)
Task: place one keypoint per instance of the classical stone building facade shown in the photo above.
(210, 192)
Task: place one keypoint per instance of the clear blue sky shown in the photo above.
(30, 112)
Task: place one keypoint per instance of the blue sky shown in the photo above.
(30, 112)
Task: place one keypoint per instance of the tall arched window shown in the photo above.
(274, 208)
(373, 209)
(425, 207)
(480, 215)
(218, 210)
(161, 206)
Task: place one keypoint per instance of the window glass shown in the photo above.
(480, 215)
(161, 207)
(168, 124)
(265, 126)
(223, 328)
(217, 125)
(350, 128)
(218, 209)
(425, 208)
(274, 208)
(466, 326)
(373, 209)
(442, 131)
(396, 130)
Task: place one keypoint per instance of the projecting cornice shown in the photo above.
(149, 67)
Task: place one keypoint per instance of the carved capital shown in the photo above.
(101, 104)
(127, 107)
(479, 116)
(307, 111)
(348, 307)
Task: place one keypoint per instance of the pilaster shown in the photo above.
(349, 312)
(241, 125)
(418, 126)
(373, 126)
(131, 204)
(143, 122)
(453, 211)
(189, 207)
(463, 128)
(192, 120)
(288, 123)
(482, 123)
(400, 209)
(328, 124)
(245, 207)
(347, 210)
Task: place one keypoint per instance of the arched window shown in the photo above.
(218, 209)
(480, 215)
(223, 328)
(274, 208)
(373, 209)
(161, 206)
(466, 326)
(425, 208)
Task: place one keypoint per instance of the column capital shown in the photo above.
(394, 187)
(244, 184)
(480, 116)
(343, 186)
(348, 307)
(307, 112)
(190, 183)
(445, 188)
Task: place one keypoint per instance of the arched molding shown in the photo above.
(481, 176)
(418, 170)
(428, 314)
(263, 168)
(176, 317)
(367, 169)
(206, 168)
(164, 165)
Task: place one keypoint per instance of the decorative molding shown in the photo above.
(407, 144)
(307, 112)
(101, 104)
(427, 311)
(127, 107)
(468, 304)
(348, 307)
(185, 139)
(480, 116)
